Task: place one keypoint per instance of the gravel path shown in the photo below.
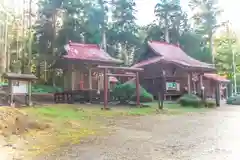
(213, 135)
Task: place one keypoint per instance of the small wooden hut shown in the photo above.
(19, 84)
(182, 71)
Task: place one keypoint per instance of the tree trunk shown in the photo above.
(104, 40)
(23, 43)
(38, 69)
(6, 56)
(45, 71)
(53, 41)
(210, 36)
(30, 35)
(166, 33)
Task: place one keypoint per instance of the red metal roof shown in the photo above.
(88, 52)
(216, 77)
(172, 54)
(148, 61)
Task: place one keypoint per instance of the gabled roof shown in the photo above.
(18, 76)
(216, 77)
(88, 52)
(166, 52)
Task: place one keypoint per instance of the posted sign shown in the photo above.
(20, 87)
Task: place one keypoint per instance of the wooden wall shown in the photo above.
(209, 86)
(150, 78)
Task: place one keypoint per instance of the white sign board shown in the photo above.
(20, 87)
(172, 86)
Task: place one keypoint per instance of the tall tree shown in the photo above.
(205, 19)
(45, 31)
(193, 44)
(123, 32)
(169, 15)
(227, 46)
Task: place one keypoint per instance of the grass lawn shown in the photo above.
(69, 124)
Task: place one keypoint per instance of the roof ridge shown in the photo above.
(83, 44)
(163, 42)
(156, 58)
(173, 52)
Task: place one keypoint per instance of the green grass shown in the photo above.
(171, 107)
(71, 123)
(63, 112)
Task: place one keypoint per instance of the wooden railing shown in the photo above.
(80, 96)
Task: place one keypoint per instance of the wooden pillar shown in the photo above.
(137, 89)
(229, 89)
(201, 80)
(90, 78)
(226, 92)
(105, 88)
(10, 91)
(69, 77)
(72, 78)
(217, 94)
(200, 84)
(65, 80)
(90, 83)
(81, 80)
(98, 83)
(29, 93)
(189, 83)
(194, 87)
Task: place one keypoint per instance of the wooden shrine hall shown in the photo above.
(183, 73)
(79, 64)
(85, 68)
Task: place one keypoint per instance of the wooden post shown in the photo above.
(137, 89)
(90, 78)
(98, 83)
(160, 106)
(229, 89)
(189, 82)
(72, 78)
(105, 88)
(10, 90)
(217, 94)
(65, 85)
(201, 80)
(226, 92)
(200, 83)
(81, 80)
(69, 77)
(29, 93)
(90, 83)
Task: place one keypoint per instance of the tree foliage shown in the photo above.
(227, 46)
(112, 25)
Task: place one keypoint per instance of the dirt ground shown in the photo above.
(194, 136)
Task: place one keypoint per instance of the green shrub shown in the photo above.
(234, 100)
(210, 104)
(144, 97)
(190, 100)
(39, 88)
(127, 92)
